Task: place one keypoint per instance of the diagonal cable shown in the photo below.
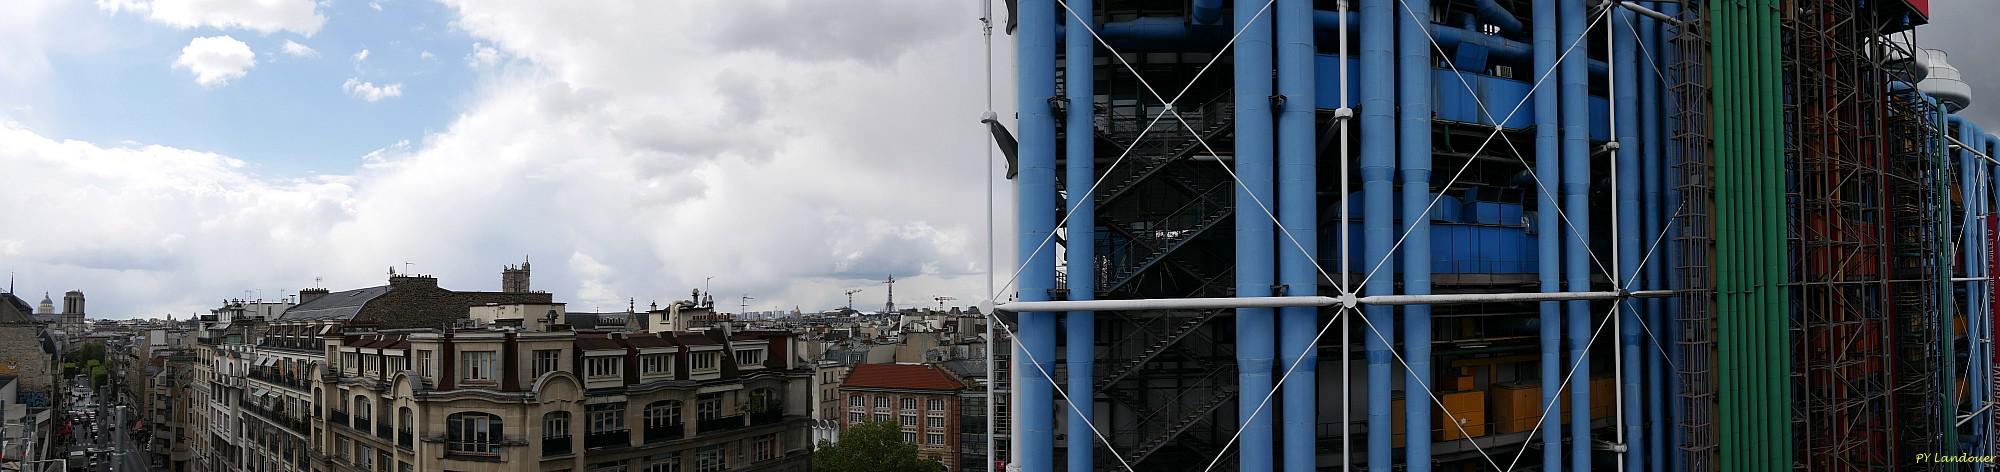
(1016, 336)
(1488, 114)
(1274, 389)
(1560, 388)
(1168, 105)
(1482, 147)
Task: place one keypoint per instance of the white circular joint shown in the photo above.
(1349, 301)
(988, 116)
(1343, 113)
(1611, 145)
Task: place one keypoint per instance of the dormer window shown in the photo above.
(604, 366)
(705, 361)
(750, 357)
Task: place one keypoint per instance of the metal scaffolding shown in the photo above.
(1696, 434)
(1838, 239)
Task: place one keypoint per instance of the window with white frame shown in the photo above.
(663, 414)
(478, 366)
(472, 432)
(909, 404)
(909, 421)
(750, 357)
(708, 406)
(710, 458)
(364, 456)
(606, 417)
(705, 361)
(350, 362)
(655, 364)
(936, 406)
(856, 418)
(764, 448)
(669, 462)
(601, 367)
(547, 360)
(935, 422)
(555, 424)
(934, 439)
(857, 401)
(910, 437)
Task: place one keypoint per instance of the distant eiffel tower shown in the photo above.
(891, 306)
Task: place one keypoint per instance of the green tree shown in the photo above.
(871, 447)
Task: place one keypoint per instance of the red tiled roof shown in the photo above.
(901, 376)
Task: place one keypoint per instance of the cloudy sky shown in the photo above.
(163, 155)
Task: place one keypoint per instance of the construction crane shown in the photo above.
(941, 301)
(891, 306)
(850, 298)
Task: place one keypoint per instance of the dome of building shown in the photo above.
(48, 307)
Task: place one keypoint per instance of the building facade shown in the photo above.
(923, 400)
(410, 377)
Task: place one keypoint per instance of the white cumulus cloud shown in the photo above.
(294, 49)
(215, 60)
(629, 162)
(482, 55)
(369, 91)
(263, 16)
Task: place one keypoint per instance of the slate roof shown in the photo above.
(340, 306)
(618, 320)
(20, 308)
(901, 377)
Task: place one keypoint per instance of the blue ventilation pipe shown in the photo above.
(1548, 232)
(1973, 254)
(1298, 213)
(1035, 194)
(1207, 12)
(1492, 13)
(1378, 166)
(1254, 274)
(1625, 72)
(1650, 139)
(1413, 144)
(1670, 108)
(1576, 203)
(1081, 338)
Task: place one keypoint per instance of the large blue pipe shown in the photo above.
(1669, 106)
(1650, 138)
(1625, 72)
(1413, 144)
(1081, 340)
(1254, 274)
(1207, 12)
(1576, 202)
(1974, 261)
(1035, 194)
(1169, 33)
(1548, 231)
(1298, 213)
(1378, 166)
(1492, 13)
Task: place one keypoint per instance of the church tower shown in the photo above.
(514, 279)
(73, 303)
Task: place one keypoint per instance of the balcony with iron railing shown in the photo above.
(405, 440)
(278, 417)
(665, 432)
(555, 446)
(360, 424)
(288, 381)
(720, 423)
(608, 439)
(336, 416)
(385, 432)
